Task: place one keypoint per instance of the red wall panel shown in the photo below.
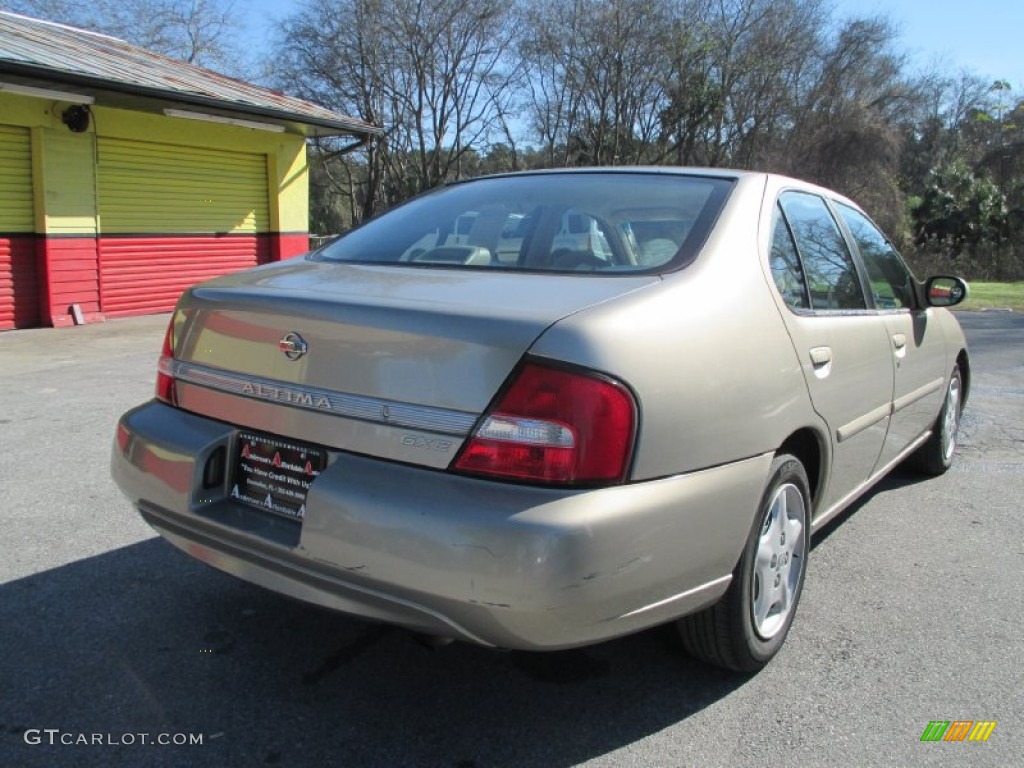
(71, 278)
(146, 274)
(42, 277)
(288, 244)
(19, 282)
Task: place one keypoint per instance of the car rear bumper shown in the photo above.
(494, 563)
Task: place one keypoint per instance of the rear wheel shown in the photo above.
(747, 627)
(936, 455)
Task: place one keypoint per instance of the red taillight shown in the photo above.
(165, 368)
(123, 437)
(555, 426)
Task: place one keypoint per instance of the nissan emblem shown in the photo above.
(293, 346)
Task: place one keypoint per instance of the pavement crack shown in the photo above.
(346, 654)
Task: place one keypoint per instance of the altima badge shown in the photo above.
(293, 346)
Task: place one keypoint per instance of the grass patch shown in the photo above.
(995, 296)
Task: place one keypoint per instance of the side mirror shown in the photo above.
(945, 291)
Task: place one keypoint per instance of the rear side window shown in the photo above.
(830, 273)
(606, 223)
(785, 264)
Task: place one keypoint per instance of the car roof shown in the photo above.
(779, 180)
(717, 173)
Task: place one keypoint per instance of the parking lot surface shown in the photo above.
(112, 640)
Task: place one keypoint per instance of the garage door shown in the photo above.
(19, 282)
(171, 216)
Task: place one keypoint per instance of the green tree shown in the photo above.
(960, 210)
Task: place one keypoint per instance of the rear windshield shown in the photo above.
(579, 222)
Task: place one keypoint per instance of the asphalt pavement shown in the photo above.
(112, 640)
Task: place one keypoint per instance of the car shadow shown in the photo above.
(899, 477)
(144, 640)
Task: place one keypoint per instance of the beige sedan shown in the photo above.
(539, 442)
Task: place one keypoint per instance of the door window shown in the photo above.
(889, 278)
(828, 265)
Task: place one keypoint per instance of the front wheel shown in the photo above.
(935, 456)
(747, 627)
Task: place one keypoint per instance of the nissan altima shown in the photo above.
(542, 410)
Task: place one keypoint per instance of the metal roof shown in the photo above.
(117, 73)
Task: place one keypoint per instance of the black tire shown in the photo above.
(935, 456)
(729, 634)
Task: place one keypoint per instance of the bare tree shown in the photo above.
(553, 100)
(737, 67)
(846, 132)
(706, 82)
(438, 75)
(597, 71)
(452, 78)
(770, 84)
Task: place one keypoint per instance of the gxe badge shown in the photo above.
(293, 346)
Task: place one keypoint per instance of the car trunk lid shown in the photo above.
(398, 354)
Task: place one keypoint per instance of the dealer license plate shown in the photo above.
(275, 474)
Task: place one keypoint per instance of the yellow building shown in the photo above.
(126, 176)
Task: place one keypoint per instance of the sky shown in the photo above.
(983, 36)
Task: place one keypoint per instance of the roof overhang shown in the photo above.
(108, 93)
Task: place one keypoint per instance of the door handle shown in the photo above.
(821, 360)
(821, 356)
(899, 343)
